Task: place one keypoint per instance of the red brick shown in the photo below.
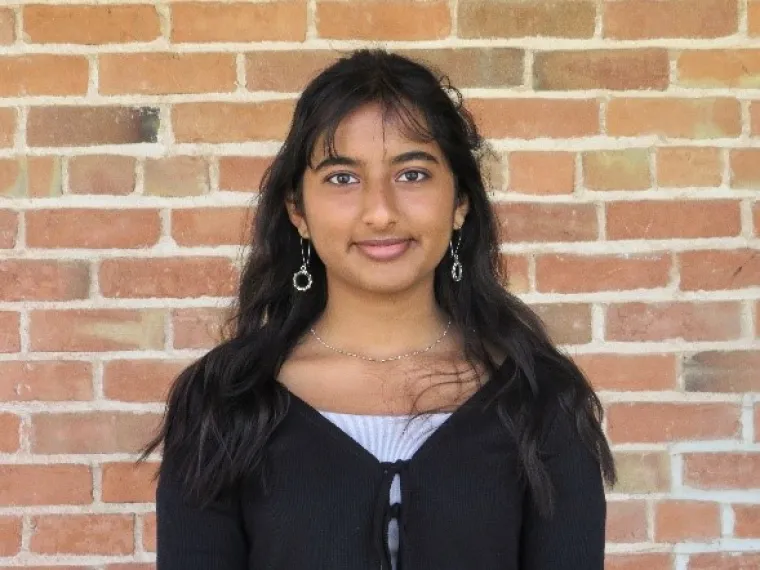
(7, 26)
(700, 321)
(757, 422)
(176, 176)
(82, 24)
(95, 330)
(517, 19)
(642, 472)
(629, 372)
(756, 218)
(672, 422)
(198, 328)
(523, 222)
(514, 271)
(149, 532)
(7, 126)
(167, 73)
(641, 19)
(88, 126)
(92, 432)
(140, 380)
(129, 483)
(211, 226)
(754, 112)
(637, 561)
(722, 470)
(8, 229)
(545, 172)
(82, 534)
(703, 118)
(589, 273)
(104, 228)
(753, 18)
(41, 280)
(535, 118)
(679, 167)
(279, 20)
(719, 68)
(102, 174)
(725, 561)
(617, 169)
(55, 381)
(678, 521)
(626, 521)
(567, 323)
(179, 277)
(722, 371)
(745, 168)
(10, 535)
(10, 427)
(242, 173)
(383, 19)
(129, 566)
(31, 177)
(53, 485)
(10, 340)
(719, 270)
(602, 69)
(231, 122)
(657, 219)
(746, 521)
(43, 74)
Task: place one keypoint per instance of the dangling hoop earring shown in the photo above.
(304, 271)
(456, 268)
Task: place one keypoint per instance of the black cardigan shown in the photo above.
(326, 504)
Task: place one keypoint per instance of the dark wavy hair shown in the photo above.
(223, 408)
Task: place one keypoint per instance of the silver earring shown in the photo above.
(304, 271)
(456, 268)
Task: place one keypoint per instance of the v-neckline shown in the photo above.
(329, 427)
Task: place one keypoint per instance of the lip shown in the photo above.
(384, 250)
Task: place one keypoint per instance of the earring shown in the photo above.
(304, 271)
(456, 268)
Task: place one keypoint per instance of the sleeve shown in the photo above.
(190, 538)
(574, 538)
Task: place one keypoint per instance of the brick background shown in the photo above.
(134, 134)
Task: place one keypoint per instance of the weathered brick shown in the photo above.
(544, 172)
(176, 176)
(673, 220)
(10, 339)
(88, 126)
(279, 20)
(745, 168)
(567, 323)
(521, 18)
(679, 167)
(198, 328)
(724, 561)
(642, 472)
(140, 380)
(722, 471)
(602, 69)
(638, 560)
(719, 68)
(722, 371)
(626, 169)
(642, 19)
(754, 118)
(43, 74)
(242, 173)
(129, 483)
(54, 381)
(7, 26)
(167, 73)
(63, 484)
(10, 535)
(746, 521)
(719, 270)
(704, 118)
(90, 24)
(524, 222)
(82, 534)
(10, 428)
(626, 521)
(514, 272)
(31, 177)
(698, 321)
(211, 226)
(7, 126)
(8, 229)
(231, 122)
(678, 521)
(102, 174)
(753, 18)
(629, 372)
(42, 280)
(383, 19)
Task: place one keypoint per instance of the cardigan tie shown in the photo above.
(384, 512)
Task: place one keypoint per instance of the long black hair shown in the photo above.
(223, 408)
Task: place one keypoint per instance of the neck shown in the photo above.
(381, 326)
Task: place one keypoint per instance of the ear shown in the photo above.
(460, 213)
(296, 217)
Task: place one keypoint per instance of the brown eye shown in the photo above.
(340, 179)
(416, 175)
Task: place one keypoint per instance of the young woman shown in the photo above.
(382, 401)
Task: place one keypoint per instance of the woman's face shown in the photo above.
(382, 186)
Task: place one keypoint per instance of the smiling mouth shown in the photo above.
(384, 250)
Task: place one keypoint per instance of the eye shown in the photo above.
(340, 177)
(418, 175)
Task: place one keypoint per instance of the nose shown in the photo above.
(379, 203)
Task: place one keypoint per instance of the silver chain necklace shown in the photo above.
(446, 330)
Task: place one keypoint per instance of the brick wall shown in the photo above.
(132, 138)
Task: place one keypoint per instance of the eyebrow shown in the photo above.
(340, 160)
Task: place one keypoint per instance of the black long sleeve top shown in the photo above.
(326, 503)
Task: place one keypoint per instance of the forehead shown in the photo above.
(369, 128)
